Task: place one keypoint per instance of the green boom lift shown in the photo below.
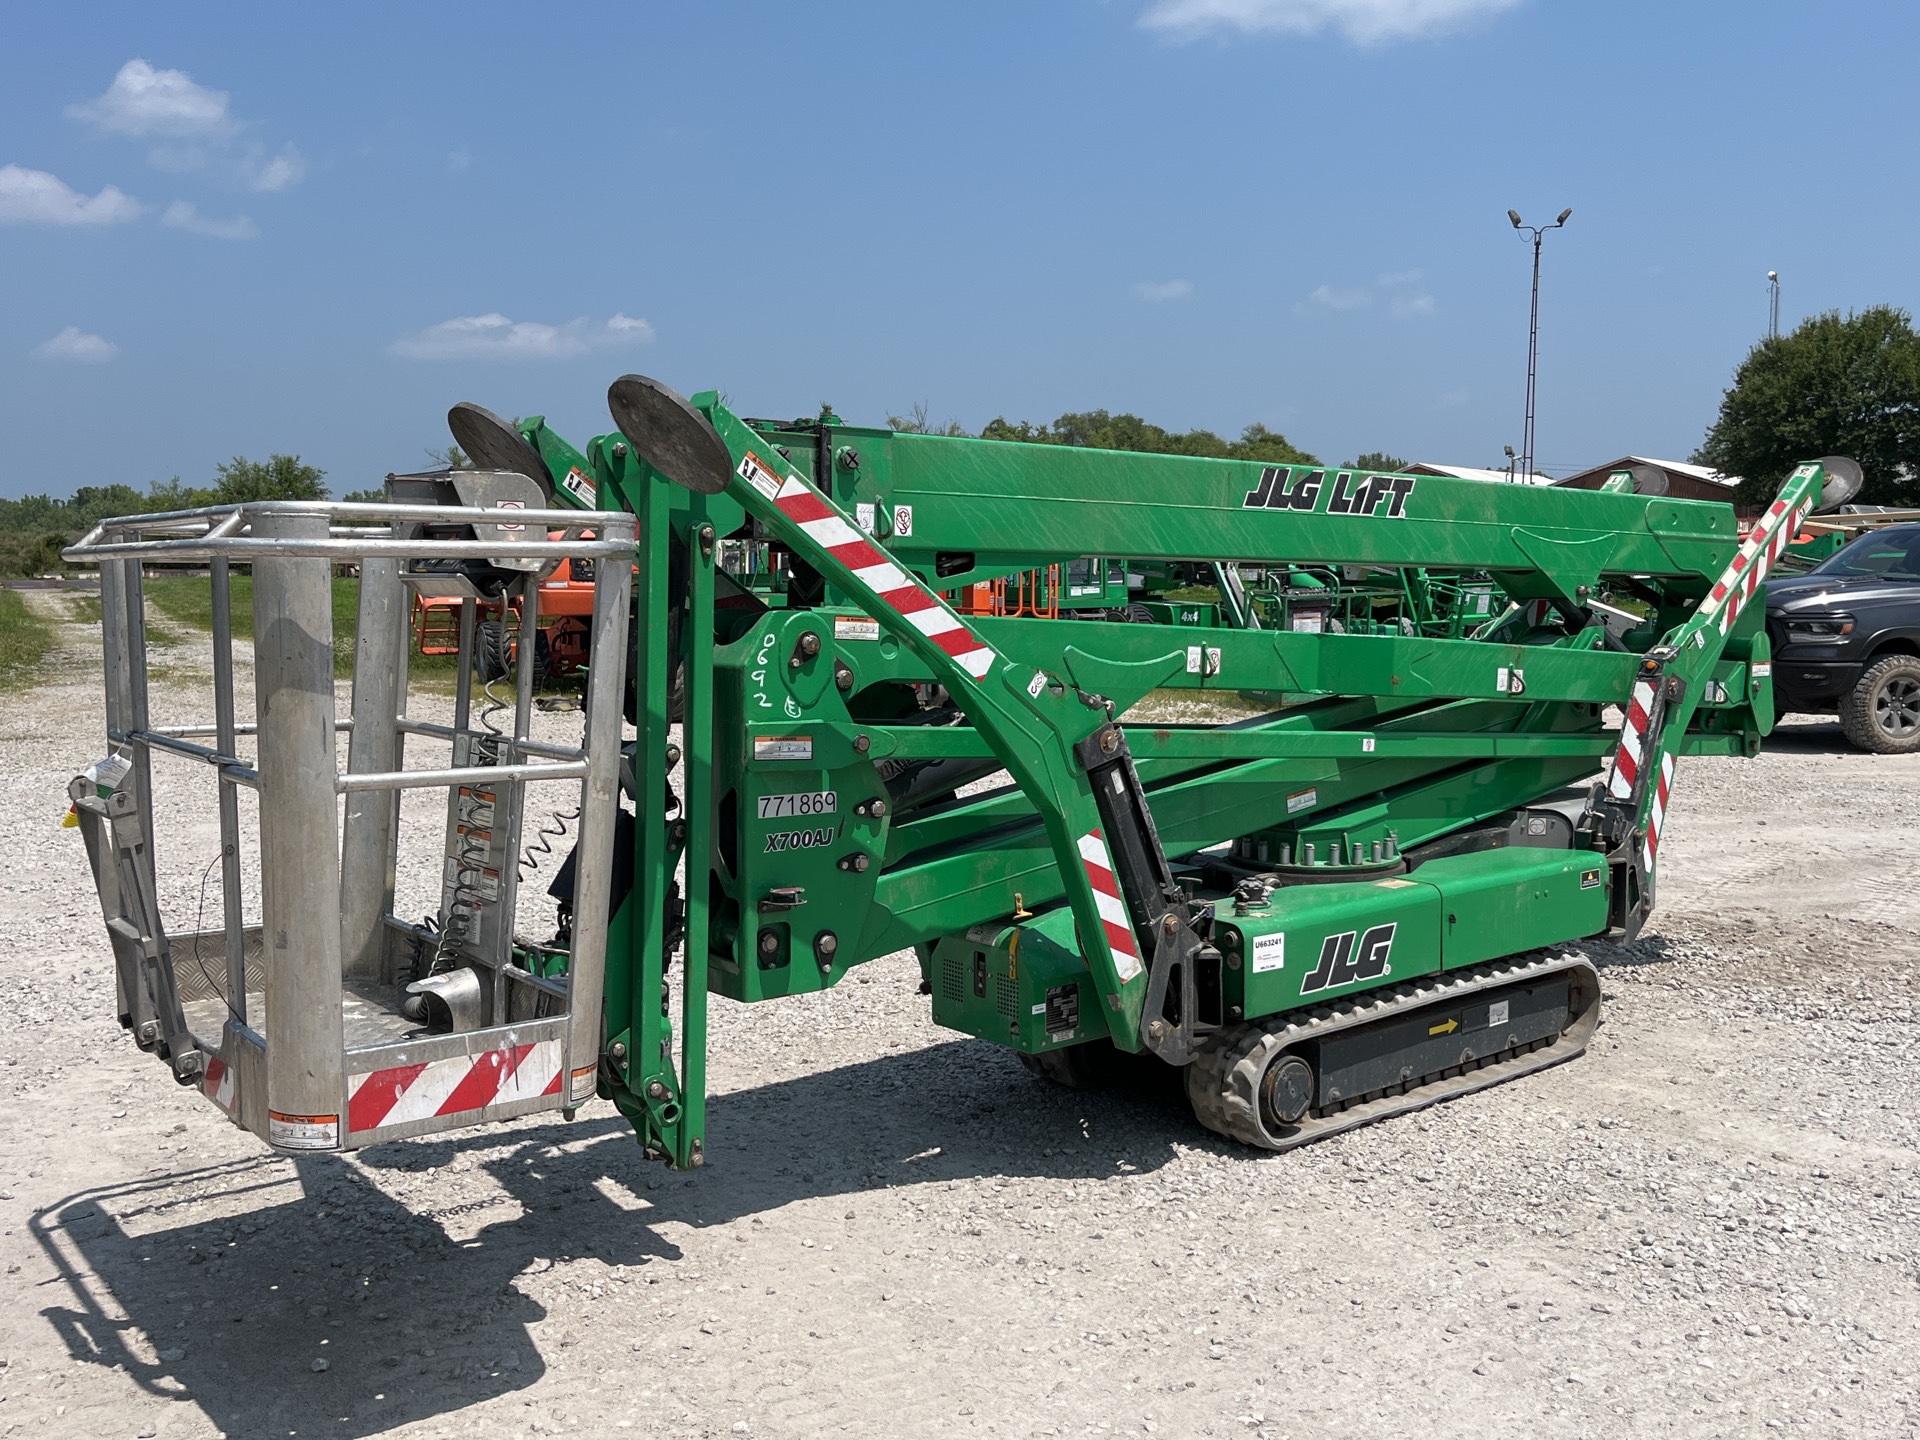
(1344, 907)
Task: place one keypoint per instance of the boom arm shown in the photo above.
(1037, 725)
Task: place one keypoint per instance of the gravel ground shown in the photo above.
(1704, 1227)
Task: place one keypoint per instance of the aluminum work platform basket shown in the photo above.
(304, 1029)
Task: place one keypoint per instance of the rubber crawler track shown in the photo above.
(1223, 1080)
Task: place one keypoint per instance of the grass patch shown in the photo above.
(188, 600)
(25, 640)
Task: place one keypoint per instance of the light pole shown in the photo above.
(1533, 334)
(1773, 304)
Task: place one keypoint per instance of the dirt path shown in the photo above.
(1705, 1227)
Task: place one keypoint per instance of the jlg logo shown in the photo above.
(1342, 961)
(1281, 489)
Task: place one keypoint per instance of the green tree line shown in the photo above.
(35, 528)
(1102, 430)
(278, 477)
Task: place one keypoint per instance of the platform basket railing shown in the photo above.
(296, 1033)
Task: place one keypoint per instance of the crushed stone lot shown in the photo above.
(1708, 1225)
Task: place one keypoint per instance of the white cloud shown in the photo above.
(184, 215)
(78, 346)
(1364, 22)
(282, 172)
(34, 197)
(495, 337)
(1397, 291)
(193, 126)
(143, 101)
(1159, 291)
(1334, 299)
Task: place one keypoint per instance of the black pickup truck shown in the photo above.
(1846, 639)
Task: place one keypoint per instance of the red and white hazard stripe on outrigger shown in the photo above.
(1631, 754)
(1114, 920)
(906, 596)
(1657, 816)
(930, 615)
(1770, 536)
(1738, 584)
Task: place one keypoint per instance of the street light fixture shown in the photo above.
(1773, 304)
(1533, 333)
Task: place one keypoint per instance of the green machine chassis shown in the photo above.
(1326, 912)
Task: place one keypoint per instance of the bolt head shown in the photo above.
(769, 942)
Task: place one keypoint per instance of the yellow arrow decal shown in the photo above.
(1446, 1028)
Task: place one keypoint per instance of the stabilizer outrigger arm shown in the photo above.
(1629, 808)
(1057, 742)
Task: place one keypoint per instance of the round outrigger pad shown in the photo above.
(1649, 480)
(1844, 478)
(493, 444)
(669, 434)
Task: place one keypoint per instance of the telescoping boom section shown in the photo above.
(1328, 872)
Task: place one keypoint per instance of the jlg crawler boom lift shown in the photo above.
(1341, 904)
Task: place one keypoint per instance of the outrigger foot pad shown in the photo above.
(494, 444)
(669, 434)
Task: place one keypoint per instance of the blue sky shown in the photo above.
(238, 229)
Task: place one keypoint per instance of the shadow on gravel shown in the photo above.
(1819, 738)
(1647, 950)
(312, 1261)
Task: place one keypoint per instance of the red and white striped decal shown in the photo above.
(452, 1086)
(1633, 741)
(217, 1082)
(906, 596)
(1657, 817)
(1737, 585)
(1114, 919)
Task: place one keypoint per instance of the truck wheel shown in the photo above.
(1882, 712)
(1139, 614)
